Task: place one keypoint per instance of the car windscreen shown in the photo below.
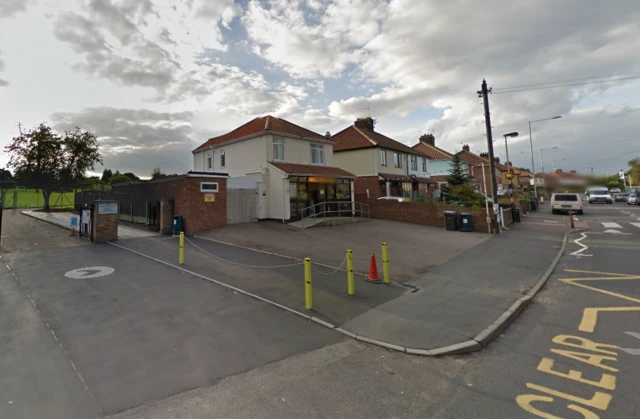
(567, 197)
(599, 192)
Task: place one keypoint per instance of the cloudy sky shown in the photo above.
(155, 78)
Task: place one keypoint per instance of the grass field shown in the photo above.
(30, 198)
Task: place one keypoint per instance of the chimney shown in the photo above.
(365, 123)
(484, 155)
(497, 159)
(428, 139)
(327, 134)
(573, 171)
(465, 147)
(508, 163)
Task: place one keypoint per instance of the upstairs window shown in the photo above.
(317, 154)
(223, 159)
(424, 165)
(397, 160)
(278, 149)
(209, 161)
(383, 157)
(414, 163)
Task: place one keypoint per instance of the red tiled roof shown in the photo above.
(432, 152)
(309, 169)
(353, 138)
(263, 124)
(476, 160)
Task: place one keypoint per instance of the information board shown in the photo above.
(108, 208)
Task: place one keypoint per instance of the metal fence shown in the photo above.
(24, 198)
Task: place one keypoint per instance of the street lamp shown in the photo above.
(533, 167)
(554, 163)
(542, 158)
(509, 175)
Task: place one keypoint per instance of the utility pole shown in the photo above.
(484, 93)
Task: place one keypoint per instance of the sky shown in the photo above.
(153, 79)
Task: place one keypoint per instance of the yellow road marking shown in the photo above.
(590, 316)
(599, 400)
(594, 272)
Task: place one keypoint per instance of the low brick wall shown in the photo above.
(425, 214)
(508, 217)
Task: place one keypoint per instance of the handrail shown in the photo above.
(339, 211)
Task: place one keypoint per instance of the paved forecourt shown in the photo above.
(136, 330)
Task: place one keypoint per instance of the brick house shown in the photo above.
(383, 166)
(277, 170)
(480, 168)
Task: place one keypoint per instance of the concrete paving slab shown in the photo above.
(146, 331)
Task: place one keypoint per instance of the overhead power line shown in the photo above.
(562, 81)
(515, 90)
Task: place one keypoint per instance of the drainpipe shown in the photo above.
(353, 198)
(388, 188)
(284, 197)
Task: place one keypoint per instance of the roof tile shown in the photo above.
(353, 138)
(432, 152)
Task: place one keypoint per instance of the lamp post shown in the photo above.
(533, 167)
(509, 175)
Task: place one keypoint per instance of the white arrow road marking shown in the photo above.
(579, 253)
(89, 272)
(611, 225)
(635, 224)
(632, 351)
(617, 232)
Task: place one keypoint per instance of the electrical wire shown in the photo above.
(567, 85)
(475, 100)
(556, 82)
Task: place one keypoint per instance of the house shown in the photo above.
(478, 166)
(383, 166)
(524, 177)
(439, 161)
(278, 170)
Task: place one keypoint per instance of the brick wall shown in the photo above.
(198, 214)
(425, 214)
(508, 217)
(372, 183)
(105, 227)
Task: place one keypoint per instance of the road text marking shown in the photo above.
(89, 272)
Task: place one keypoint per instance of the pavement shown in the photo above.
(62, 219)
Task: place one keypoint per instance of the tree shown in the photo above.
(156, 173)
(634, 171)
(131, 176)
(118, 178)
(457, 175)
(50, 162)
(106, 175)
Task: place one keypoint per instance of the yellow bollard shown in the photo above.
(385, 263)
(351, 287)
(181, 258)
(308, 297)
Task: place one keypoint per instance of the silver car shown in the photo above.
(632, 199)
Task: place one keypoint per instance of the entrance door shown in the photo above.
(262, 201)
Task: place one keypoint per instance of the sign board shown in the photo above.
(621, 174)
(86, 216)
(209, 197)
(316, 179)
(108, 208)
(73, 222)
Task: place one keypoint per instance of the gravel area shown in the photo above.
(22, 234)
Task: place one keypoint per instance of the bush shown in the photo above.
(467, 195)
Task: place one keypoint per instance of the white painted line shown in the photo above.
(611, 225)
(617, 232)
(550, 221)
(635, 224)
(89, 272)
(634, 334)
(579, 253)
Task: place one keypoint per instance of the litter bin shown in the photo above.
(178, 224)
(466, 222)
(451, 220)
(534, 205)
(516, 214)
(527, 206)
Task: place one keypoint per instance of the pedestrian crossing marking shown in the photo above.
(611, 225)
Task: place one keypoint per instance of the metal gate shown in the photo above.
(153, 216)
(242, 206)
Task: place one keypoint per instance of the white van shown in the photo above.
(565, 202)
(599, 194)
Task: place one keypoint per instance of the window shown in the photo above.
(223, 159)
(414, 163)
(383, 157)
(397, 161)
(424, 165)
(209, 187)
(278, 149)
(209, 161)
(317, 154)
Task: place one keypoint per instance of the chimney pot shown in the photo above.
(465, 147)
(327, 134)
(365, 123)
(428, 139)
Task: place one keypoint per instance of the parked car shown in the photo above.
(615, 190)
(391, 198)
(599, 194)
(565, 202)
(622, 197)
(631, 200)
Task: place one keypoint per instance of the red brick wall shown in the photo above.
(425, 214)
(373, 183)
(198, 214)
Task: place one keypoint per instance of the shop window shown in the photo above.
(223, 159)
(210, 161)
(278, 149)
(343, 191)
(397, 160)
(317, 154)
(383, 157)
(414, 163)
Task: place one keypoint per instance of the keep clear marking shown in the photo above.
(89, 272)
